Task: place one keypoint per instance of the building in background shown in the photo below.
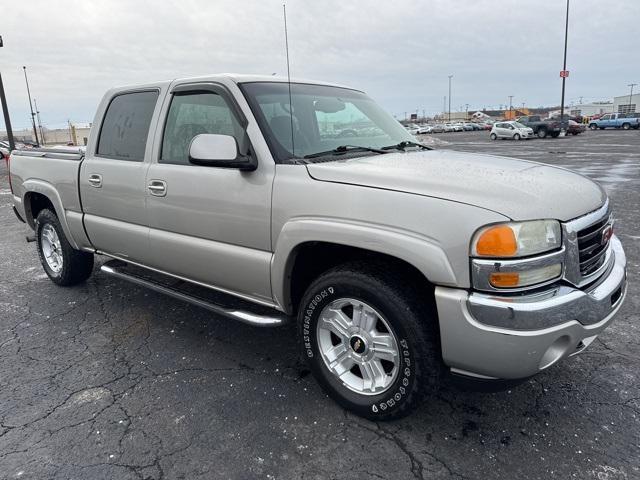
(75, 133)
(591, 109)
(621, 104)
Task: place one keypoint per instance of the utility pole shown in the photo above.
(564, 69)
(33, 115)
(444, 106)
(466, 115)
(39, 122)
(450, 77)
(631, 95)
(5, 111)
(510, 104)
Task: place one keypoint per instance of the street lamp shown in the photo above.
(33, 115)
(564, 70)
(631, 94)
(5, 111)
(450, 77)
(510, 103)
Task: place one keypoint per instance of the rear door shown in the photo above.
(112, 176)
(209, 224)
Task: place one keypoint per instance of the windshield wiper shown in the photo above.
(342, 149)
(404, 144)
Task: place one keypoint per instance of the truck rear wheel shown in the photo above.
(370, 340)
(542, 133)
(62, 263)
(626, 126)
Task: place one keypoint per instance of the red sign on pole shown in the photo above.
(564, 73)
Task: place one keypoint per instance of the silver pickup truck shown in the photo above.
(267, 201)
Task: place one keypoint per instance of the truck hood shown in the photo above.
(518, 189)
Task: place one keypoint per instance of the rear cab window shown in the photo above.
(125, 126)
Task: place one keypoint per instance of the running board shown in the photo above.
(216, 302)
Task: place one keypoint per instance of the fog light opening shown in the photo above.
(555, 352)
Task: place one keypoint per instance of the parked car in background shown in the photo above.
(541, 127)
(467, 127)
(437, 128)
(512, 130)
(615, 120)
(448, 127)
(394, 260)
(575, 128)
(425, 129)
(457, 127)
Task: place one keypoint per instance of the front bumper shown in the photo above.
(501, 337)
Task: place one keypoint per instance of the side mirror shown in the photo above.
(212, 150)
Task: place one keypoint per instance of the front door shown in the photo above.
(209, 224)
(112, 177)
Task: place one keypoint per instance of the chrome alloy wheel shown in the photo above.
(358, 346)
(51, 248)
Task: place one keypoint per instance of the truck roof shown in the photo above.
(234, 77)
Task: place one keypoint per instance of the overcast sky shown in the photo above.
(400, 52)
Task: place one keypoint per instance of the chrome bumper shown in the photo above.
(490, 336)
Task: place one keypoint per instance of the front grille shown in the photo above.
(592, 248)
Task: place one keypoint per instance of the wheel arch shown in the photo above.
(40, 195)
(307, 248)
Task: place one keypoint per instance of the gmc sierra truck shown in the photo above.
(243, 195)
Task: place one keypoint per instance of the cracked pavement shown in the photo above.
(108, 380)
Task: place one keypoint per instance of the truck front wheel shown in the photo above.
(370, 339)
(542, 133)
(626, 126)
(62, 263)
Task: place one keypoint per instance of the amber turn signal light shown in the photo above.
(498, 241)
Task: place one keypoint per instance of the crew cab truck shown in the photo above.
(541, 127)
(397, 262)
(625, 121)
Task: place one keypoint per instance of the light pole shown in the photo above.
(631, 94)
(33, 115)
(450, 77)
(564, 69)
(510, 103)
(35, 104)
(5, 111)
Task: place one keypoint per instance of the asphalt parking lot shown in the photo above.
(107, 380)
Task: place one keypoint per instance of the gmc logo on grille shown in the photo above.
(607, 232)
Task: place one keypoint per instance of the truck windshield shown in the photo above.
(322, 119)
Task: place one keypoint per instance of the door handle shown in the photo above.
(157, 188)
(95, 180)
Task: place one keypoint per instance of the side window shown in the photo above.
(125, 127)
(194, 113)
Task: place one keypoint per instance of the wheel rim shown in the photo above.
(358, 346)
(51, 248)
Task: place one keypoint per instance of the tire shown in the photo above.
(593, 126)
(517, 137)
(555, 134)
(493, 136)
(395, 307)
(63, 264)
(542, 133)
(626, 126)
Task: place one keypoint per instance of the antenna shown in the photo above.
(286, 42)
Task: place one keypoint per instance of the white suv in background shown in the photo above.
(512, 129)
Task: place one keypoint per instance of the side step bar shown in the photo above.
(248, 313)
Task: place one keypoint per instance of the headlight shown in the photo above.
(517, 255)
(517, 239)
